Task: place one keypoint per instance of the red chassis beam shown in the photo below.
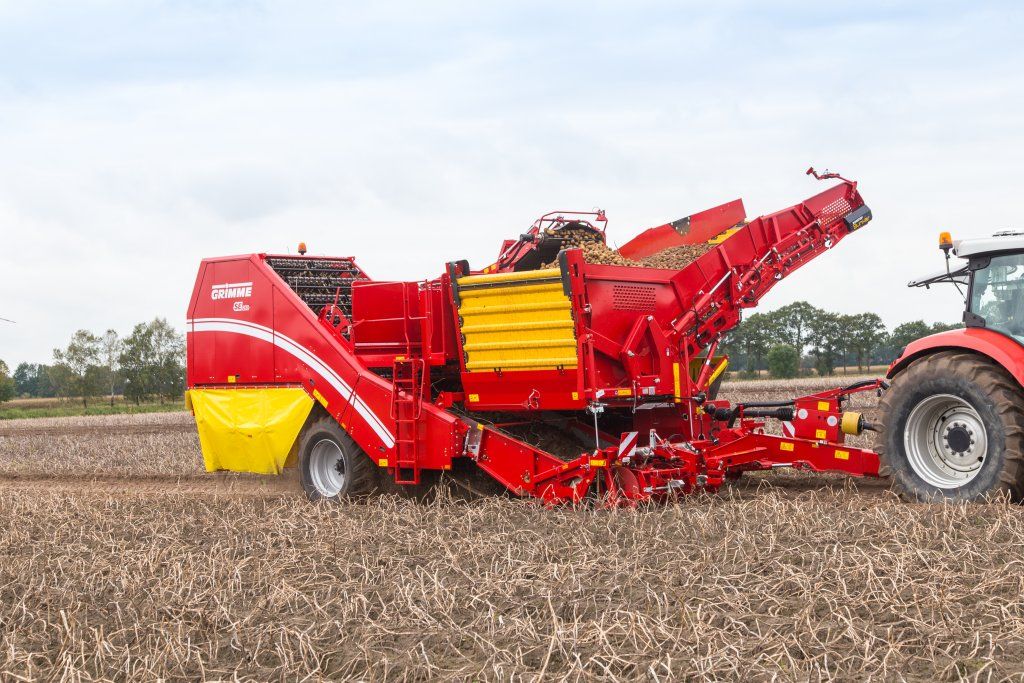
(672, 468)
(629, 474)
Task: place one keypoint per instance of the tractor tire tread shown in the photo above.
(363, 474)
(995, 382)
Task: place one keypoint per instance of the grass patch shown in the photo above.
(74, 409)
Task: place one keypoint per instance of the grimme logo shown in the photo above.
(229, 290)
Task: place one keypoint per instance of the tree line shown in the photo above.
(799, 337)
(148, 364)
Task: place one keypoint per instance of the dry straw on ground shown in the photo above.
(822, 583)
(788, 578)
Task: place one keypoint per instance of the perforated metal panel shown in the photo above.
(833, 211)
(633, 297)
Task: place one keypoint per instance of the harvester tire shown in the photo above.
(332, 466)
(952, 428)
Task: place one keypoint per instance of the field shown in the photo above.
(122, 561)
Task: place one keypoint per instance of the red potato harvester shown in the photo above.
(555, 377)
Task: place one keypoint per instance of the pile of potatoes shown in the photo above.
(676, 258)
(596, 251)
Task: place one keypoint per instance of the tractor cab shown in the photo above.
(989, 272)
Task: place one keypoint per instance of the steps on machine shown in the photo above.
(406, 406)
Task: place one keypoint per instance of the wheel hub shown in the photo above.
(945, 441)
(327, 468)
(958, 438)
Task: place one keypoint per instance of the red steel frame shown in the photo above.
(658, 428)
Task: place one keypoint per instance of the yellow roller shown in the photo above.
(516, 321)
(471, 280)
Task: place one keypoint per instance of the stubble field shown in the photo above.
(120, 560)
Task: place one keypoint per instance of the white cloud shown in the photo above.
(408, 139)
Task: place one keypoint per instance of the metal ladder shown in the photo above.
(406, 406)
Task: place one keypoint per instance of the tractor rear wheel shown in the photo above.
(952, 428)
(331, 465)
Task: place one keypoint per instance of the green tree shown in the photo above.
(844, 343)
(78, 366)
(945, 327)
(827, 336)
(33, 379)
(866, 332)
(757, 335)
(732, 346)
(26, 379)
(169, 358)
(783, 361)
(60, 379)
(136, 362)
(152, 361)
(7, 384)
(110, 356)
(906, 333)
(793, 323)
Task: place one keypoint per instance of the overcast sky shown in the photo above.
(138, 137)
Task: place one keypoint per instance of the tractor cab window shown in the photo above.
(997, 294)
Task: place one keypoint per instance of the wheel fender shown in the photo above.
(1001, 349)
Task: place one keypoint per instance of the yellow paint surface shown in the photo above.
(249, 430)
(516, 321)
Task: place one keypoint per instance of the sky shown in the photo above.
(138, 137)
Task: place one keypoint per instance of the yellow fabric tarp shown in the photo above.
(249, 430)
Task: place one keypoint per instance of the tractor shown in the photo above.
(952, 420)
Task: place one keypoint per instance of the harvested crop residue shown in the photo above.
(114, 570)
(755, 584)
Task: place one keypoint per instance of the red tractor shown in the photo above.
(952, 422)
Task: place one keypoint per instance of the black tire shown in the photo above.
(921, 459)
(358, 476)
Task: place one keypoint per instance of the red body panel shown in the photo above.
(700, 227)
(1005, 351)
(265, 335)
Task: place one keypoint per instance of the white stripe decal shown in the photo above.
(288, 345)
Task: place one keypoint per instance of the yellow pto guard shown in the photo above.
(249, 430)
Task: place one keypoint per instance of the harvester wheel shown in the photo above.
(952, 428)
(331, 465)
